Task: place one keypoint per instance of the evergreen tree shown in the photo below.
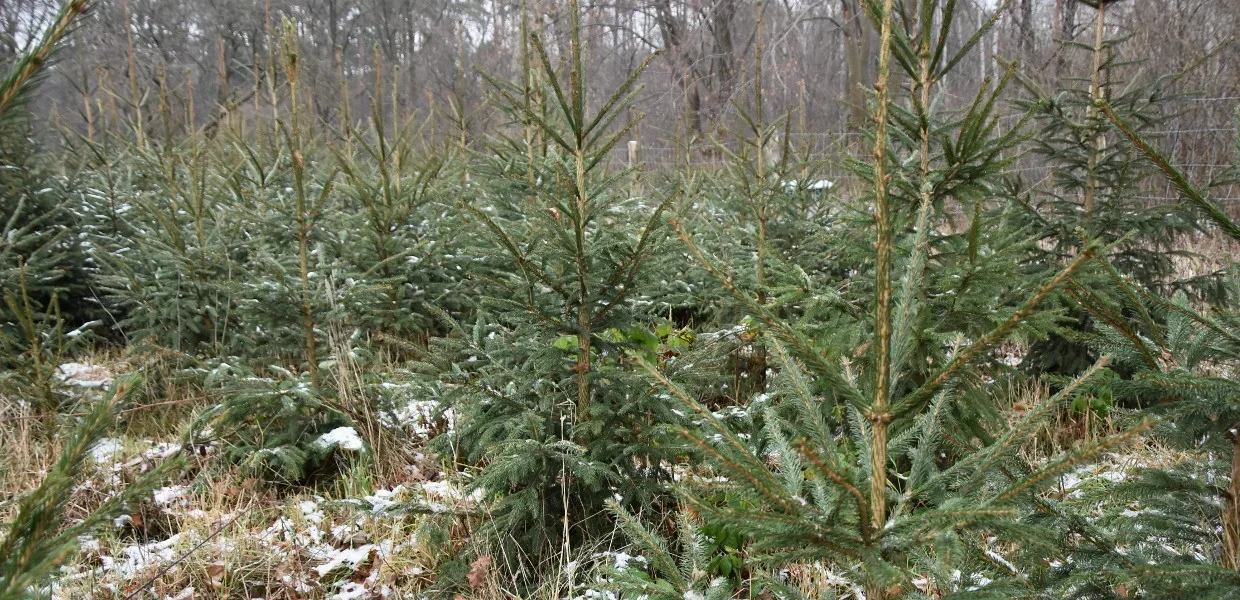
(1097, 184)
(32, 219)
(42, 286)
(1158, 533)
(874, 453)
(274, 422)
(546, 404)
(166, 245)
(395, 193)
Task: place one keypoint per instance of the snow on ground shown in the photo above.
(167, 495)
(111, 455)
(411, 411)
(344, 549)
(185, 594)
(813, 186)
(107, 451)
(84, 375)
(345, 438)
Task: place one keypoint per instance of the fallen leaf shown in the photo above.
(478, 571)
(215, 571)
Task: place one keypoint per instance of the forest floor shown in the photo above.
(216, 534)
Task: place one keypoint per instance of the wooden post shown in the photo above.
(346, 126)
(135, 97)
(635, 188)
(89, 113)
(191, 119)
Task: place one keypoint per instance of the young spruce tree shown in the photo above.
(1174, 531)
(872, 455)
(1097, 184)
(42, 283)
(547, 405)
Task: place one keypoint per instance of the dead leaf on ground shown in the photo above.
(478, 571)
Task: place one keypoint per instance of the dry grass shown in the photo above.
(391, 456)
(231, 537)
(28, 452)
(1206, 254)
(217, 537)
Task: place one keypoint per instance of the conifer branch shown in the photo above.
(830, 539)
(38, 538)
(18, 85)
(821, 365)
(1093, 304)
(810, 407)
(863, 507)
(654, 546)
(764, 484)
(1134, 302)
(633, 262)
(980, 462)
(1177, 177)
(965, 356)
(514, 250)
(1034, 479)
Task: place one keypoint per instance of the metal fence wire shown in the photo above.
(1205, 154)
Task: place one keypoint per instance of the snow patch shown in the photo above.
(345, 438)
(167, 495)
(107, 451)
(84, 375)
(348, 557)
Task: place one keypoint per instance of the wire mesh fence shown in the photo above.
(1204, 153)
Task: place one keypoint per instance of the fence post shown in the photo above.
(635, 188)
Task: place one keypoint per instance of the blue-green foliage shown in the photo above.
(272, 424)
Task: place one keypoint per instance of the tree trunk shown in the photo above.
(1026, 30)
(1065, 17)
(670, 29)
(1231, 511)
(857, 49)
(723, 67)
